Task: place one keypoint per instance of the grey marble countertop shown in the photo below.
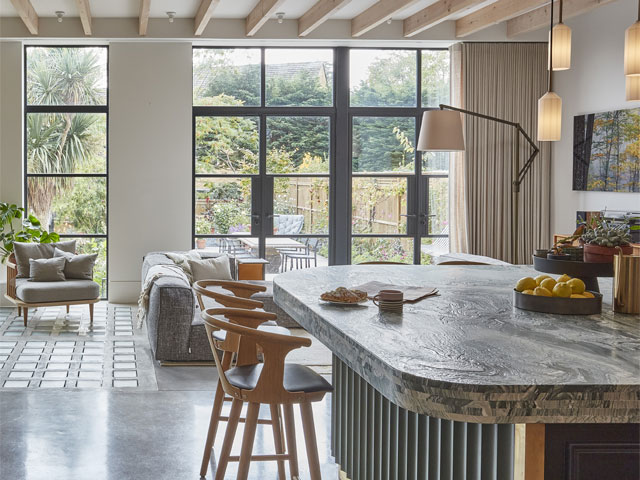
(469, 354)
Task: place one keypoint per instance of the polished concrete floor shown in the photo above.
(114, 434)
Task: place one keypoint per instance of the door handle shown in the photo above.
(256, 218)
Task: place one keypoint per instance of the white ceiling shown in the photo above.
(187, 8)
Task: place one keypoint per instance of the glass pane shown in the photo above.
(87, 245)
(69, 205)
(223, 206)
(297, 77)
(378, 205)
(300, 205)
(66, 143)
(67, 76)
(298, 144)
(227, 145)
(291, 253)
(435, 163)
(385, 249)
(226, 76)
(435, 77)
(431, 248)
(383, 78)
(439, 206)
(236, 246)
(383, 144)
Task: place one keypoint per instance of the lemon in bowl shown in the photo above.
(526, 283)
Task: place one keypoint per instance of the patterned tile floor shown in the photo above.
(60, 350)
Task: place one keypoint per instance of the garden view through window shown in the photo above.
(66, 146)
(267, 152)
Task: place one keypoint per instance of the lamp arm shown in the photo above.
(527, 166)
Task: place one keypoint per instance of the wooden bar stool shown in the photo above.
(252, 319)
(272, 382)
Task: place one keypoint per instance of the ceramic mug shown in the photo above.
(389, 300)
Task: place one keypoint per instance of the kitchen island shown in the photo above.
(446, 389)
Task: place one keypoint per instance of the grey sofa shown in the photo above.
(176, 331)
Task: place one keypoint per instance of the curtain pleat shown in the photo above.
(503, 80)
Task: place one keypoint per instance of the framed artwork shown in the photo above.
(606, 151)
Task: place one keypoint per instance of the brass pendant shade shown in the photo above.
(633, 88)
(632, 50)
(561, 47)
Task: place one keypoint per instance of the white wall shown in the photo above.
(595, 83)
(10, 132)
(149, 157)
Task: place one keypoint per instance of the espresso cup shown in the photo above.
(389, 300)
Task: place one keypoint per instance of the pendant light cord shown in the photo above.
(560, 13)
(551, 49)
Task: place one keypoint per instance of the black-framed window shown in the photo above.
(65, 152)
(328, 134)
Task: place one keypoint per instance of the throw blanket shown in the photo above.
(154, 273)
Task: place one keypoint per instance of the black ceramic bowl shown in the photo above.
(562, 306)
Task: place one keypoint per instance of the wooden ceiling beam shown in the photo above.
(377, 14)
(264, 10)
(495, 13)
(434, 14)
(84, 10)
(27, 14)
(318, 14)
(205, 11)
(539, 17)
(143, 20)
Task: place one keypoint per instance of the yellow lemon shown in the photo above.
(540, 278)
(577, 285)
(588, 295)
(563, 278)
(528, 292)
(562, 289)
(526, 283)
(542, 292)
(548, 283)
(577, 295)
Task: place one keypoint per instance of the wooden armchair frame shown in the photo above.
(239, 289)
(230, 301)
(23, 307)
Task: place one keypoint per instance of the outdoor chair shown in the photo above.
(303, 259)
(289, 225)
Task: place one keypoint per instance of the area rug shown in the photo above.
(60, 350)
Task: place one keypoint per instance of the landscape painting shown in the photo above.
(606, 151)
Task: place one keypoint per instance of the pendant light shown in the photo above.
(633, 87)
(561, 44)
(550, 105)
(632, 48)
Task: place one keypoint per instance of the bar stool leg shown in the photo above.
(248, 437)
(290, 427)
(277, 437)
(213, 427)
(310, 440)
(229, 434)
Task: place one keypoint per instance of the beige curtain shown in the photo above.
(504, 80)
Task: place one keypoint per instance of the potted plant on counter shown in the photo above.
(601, 238)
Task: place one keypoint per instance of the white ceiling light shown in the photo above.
(280, 16)
(59, 14)
(561, 44)
(550, 104)
(171, 16)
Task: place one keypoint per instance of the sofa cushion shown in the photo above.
(46, 270)
(26, 251)
(67, 291)
(182, 260)
(79, 267)
(211, 269)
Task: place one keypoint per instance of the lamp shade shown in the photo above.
(549, 117)
(561, 47)
(632, 50)
(633, 88)
(441, 131)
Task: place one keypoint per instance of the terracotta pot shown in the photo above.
(598, 254)
(202, 243)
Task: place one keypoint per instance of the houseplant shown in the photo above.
(31, 231)
(601, 238)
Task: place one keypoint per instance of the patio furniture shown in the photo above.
(288, 224)
(272, 382)
(26, 294)
(303, 259)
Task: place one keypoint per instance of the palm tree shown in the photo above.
(59, 142)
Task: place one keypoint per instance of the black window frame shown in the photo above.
(101, 109)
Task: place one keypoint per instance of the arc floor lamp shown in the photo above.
(441, 131)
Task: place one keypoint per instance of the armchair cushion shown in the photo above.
(67, 291)
(26, 251)
(79, 267)
(46, 270)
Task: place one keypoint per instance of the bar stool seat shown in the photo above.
(297, 378)
(268, 326)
